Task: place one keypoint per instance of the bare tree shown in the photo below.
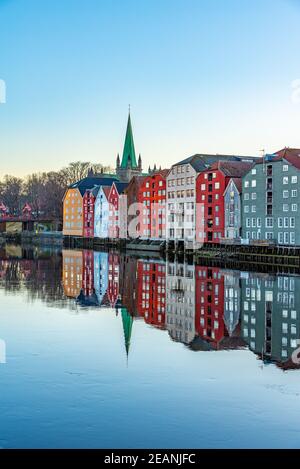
(11, 193)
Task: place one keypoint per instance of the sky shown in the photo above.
(201, 76)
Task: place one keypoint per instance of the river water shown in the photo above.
(102, 350)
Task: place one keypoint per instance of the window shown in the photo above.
(246, 209)
(294, 207)
(285, 207)
(294, 193)
(285, 180)
(286, 222)
(253, 171)
(292, 222)
(285, 167)
(286, 238)
(253, 196)
(247, 222)
(259, 223)
(292, 237)
(203, 187)
(246, 196)
(246, 184)
(269, 235)
(253, 183)
(253, 209)
(280, 222)
(253, 222)
(280, 238)
(269, 222)
(285, 194)
(294, 179)
(217, 185)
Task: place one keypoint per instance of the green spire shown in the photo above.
(127, 327)
(129, 158)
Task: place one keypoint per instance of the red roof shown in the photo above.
(234, 169)
(238, 184)
(291, 155)
(106, 190)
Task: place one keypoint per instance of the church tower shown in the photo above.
(128, 167)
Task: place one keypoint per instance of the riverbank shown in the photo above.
(271, 257)
(51, 238)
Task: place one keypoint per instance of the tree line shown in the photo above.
(44, 191)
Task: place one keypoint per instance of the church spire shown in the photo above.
(127, 328)
(129, 157)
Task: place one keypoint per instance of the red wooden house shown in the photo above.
(116, 218)
(152, 197)
(89, 199)
(210, 187)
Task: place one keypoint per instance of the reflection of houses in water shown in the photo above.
(100, 275)
(180, 301)
(232, 300)
(206, 307)
(151, 278)
(129, 284)
(209, 318)
(270, 319)
(113, 289)
(72, 272)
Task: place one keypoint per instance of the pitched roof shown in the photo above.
(129, 158)
(291, 155)
(162, 172)
(106, 190)
(121, 186)
(95, 191)
(234, 169)
(91, 182)
(200, 162)
(238, 184)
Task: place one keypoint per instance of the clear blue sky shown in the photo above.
(200, 75)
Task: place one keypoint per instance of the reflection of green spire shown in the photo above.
(129, 158)
(127, 327)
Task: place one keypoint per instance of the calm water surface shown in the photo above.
(104, 350)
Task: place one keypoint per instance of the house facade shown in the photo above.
(115, 219)
(88, 213)
(233, 209)
(101, 213)
(210, 189)
(73, 218)
(271, 199)
(152, 197)
(181, 195)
